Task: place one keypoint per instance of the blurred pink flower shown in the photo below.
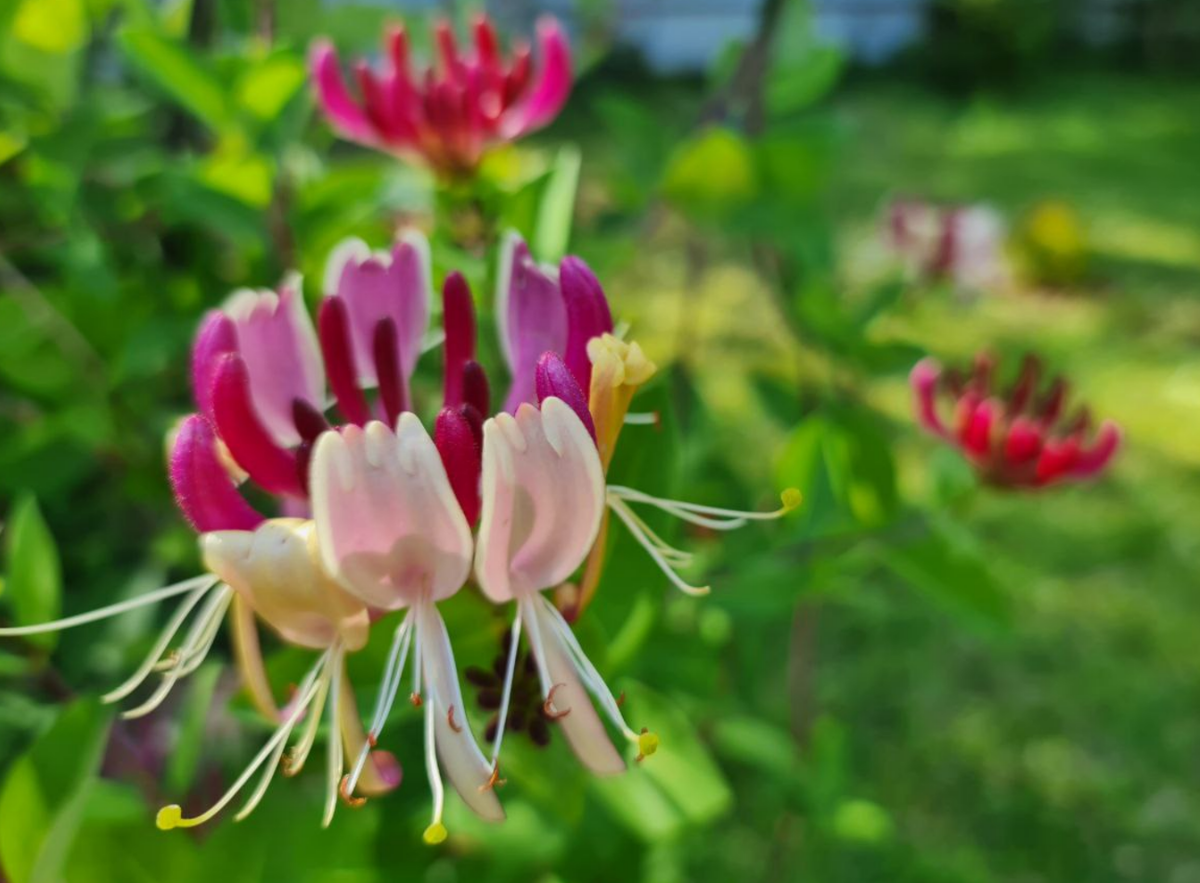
(962, 244)
(1017, 438)
(449, 114)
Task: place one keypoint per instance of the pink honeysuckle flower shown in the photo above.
(449, 114)
(259, 369)
(541, 309)
(1017, 438)
(277, 570)
(265, 568)
(544, 499)
(391, 530)
(963, 244)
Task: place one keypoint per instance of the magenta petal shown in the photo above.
(203, 489)
(477, 392)
(278, 346)
(215, 338)
(551, 87)
(531, 315)
(588, 315)
(458, 317)
(394, 285)
(271, 467)
(554, 379)
(333, 327)
(1093, 460)
(924, 380)
(343, 111)
(462, 455)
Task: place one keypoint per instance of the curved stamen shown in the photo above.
(680, 509)
(198, 634)
(154, 657)
(388, 688)
(436, 832)
(506, 694)
(631, 521)
(207, 581)
(171, 816)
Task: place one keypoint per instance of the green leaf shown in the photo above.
(34, 573)
(712, 174)
(557, 207)
(799, 83)
(266, 88)
(54, 26)
(178, 72)
(948, 567)
(44, 796)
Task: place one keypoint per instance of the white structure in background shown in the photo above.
(683, 36)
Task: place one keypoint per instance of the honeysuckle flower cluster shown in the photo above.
(961, 244)
(1019, 437)
(448, 114)
(374, 514)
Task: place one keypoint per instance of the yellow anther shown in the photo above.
(435, 834)
(647, 744)
(169, 817)
(791, 498)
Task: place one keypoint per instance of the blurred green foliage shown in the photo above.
(908, 679)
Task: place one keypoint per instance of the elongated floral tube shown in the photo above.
(215, 338)
(458, 316)
(462, 456)
(551, 87)
(618, 369)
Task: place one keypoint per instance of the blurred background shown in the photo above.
(917, 677)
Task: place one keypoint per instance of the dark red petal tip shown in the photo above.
(459, 447)
(554, 379)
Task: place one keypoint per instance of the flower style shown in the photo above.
(391, 530)
(452, 112)
(1018, 439)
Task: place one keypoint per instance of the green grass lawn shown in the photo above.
(1068, 750)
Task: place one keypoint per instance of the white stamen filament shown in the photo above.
(301, 750)
(639, 533)
(648, 418)
(314, 684)
(215, 606)
(207, 581)
(721, 519)
(154, 658)
(678, 557)
(514, 645)
(590, 677)
(392, 678)
(539, 656)
(431, 762)
(335, 754)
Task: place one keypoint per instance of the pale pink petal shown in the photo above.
(461, 760)
(580, 723)
(531, 316)
(550, 87)
(276, 340)
(344, 113)
(276, 569)
(390, 528)
(543, 497)
(396, 285)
